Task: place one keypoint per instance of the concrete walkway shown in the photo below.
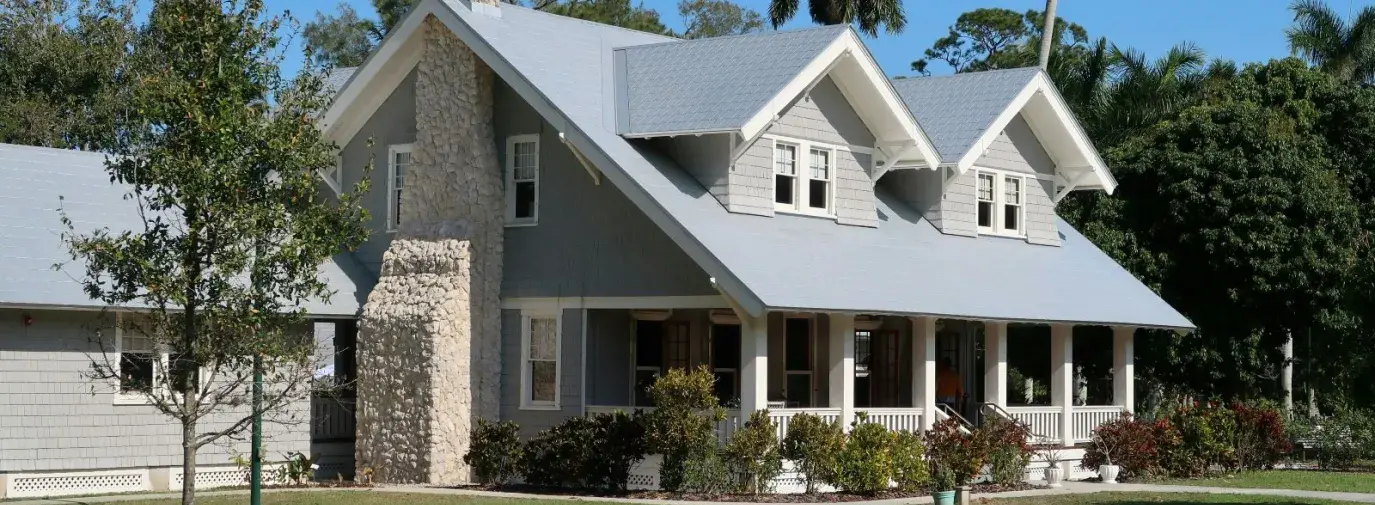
(1068, 488)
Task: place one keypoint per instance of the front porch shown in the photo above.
(837, 365)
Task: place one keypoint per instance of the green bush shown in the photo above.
(558, 457)
(955, 455)
(618, 445)
(865, 464)
(753, 453)
(706, 473)
(682, 426)
(1008, 450)
(909, 462)
(1205, 435)
(495, 452)
(813, 445)
(1338, 441)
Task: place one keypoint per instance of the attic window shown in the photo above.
(398, 165)
(522, 180)
(1000, 197)
(807, 189)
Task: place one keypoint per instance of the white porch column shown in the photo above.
(1062, 378)
(995, 363)
(924, 369)
(754, 367)
(842, 367)
(1123, 367)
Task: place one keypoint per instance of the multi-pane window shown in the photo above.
(1000, 203)
(659, 346)
(540, 336)
(725, 360)
(819, 186)
(797, 360)
(522, 179)
(808, 188)
(398, 166)
(785, 174)
(138, 363)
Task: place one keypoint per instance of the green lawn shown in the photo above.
(1310, 480)
(1160, 499)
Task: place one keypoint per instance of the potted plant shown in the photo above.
(943, 482)
(1107, 471)
(1054, 474)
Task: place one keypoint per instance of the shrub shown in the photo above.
(559, 456)
(706, 473)
(865, 464)
(753, 453)
(1008, 450)
(618, 445)
(682, 427)
(1341, 439)
(813, 445)
(1260, 440)
(1133, 444)
(495, 452)
(1205, 435)
(955, 455)
(909, 462)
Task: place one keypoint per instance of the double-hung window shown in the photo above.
(145, 367)
(398, 166)
(540, 342)
(807, 189)
(522, 180)
(1001, 198)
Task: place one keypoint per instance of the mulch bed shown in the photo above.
(755, 498)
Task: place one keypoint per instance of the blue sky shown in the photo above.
(1242, 30)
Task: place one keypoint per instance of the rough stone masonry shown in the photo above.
(429, 338)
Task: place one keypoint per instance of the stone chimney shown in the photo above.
(429, 361)
(487, 7)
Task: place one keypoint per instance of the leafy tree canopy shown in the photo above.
(714, 18)
(867, 15)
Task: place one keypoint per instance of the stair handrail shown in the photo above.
(992, 409)
(944, 409)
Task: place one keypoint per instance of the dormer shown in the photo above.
(784, 122)
(1010, 150)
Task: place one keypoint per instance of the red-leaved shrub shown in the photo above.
(1133, 444)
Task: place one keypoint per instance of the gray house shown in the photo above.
(567, 209)
(60, 432)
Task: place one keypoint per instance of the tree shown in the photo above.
(993, 38)
(62, 71)
(340, 40)
(1044, 55)
(1343, 48)
(612, 12)
(869, 15)
(714, 18)
(222, 165)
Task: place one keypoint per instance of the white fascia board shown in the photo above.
(377, 77)
(611, 171)
(893, 102)
(1084, 147)
(809, 74)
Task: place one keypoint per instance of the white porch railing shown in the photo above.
(781, 417)
(1043, 421)
(1088, 418)
(897, 419)
(724, 429)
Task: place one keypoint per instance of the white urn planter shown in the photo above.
(1109, 473)
(1054, 475)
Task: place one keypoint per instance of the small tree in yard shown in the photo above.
(221, 158)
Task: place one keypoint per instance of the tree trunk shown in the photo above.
(1048, 35)
(188, 462)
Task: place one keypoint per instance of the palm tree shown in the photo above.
(869, 14)
(1044, 59)
(1342, 48)
(1142, 92)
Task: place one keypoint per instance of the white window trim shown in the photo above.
(999, 199)
(526, 388)
(802, 164)
(392, 151)
(510, 178)
(163, 364)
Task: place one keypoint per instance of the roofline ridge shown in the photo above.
(584, 21)
(1033, 69)
(736, 36)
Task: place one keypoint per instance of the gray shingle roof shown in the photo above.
(337, 78)
(714, 84)
(35, 181)
(955, 110)
(904, 266)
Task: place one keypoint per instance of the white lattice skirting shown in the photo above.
(39, 485)
(221, 476)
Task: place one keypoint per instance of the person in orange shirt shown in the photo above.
(948, 387)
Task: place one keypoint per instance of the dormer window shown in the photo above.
(522, 180)
(1000, 196)
(807, 190)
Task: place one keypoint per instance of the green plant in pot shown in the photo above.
(943, 484)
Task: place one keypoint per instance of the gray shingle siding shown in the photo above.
(53, 418)
(706, 157)
(590, 239)
(393, 123)
(824, 116)
(959, 214)
(751, 180)
(570, 372)
(1017, 150)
